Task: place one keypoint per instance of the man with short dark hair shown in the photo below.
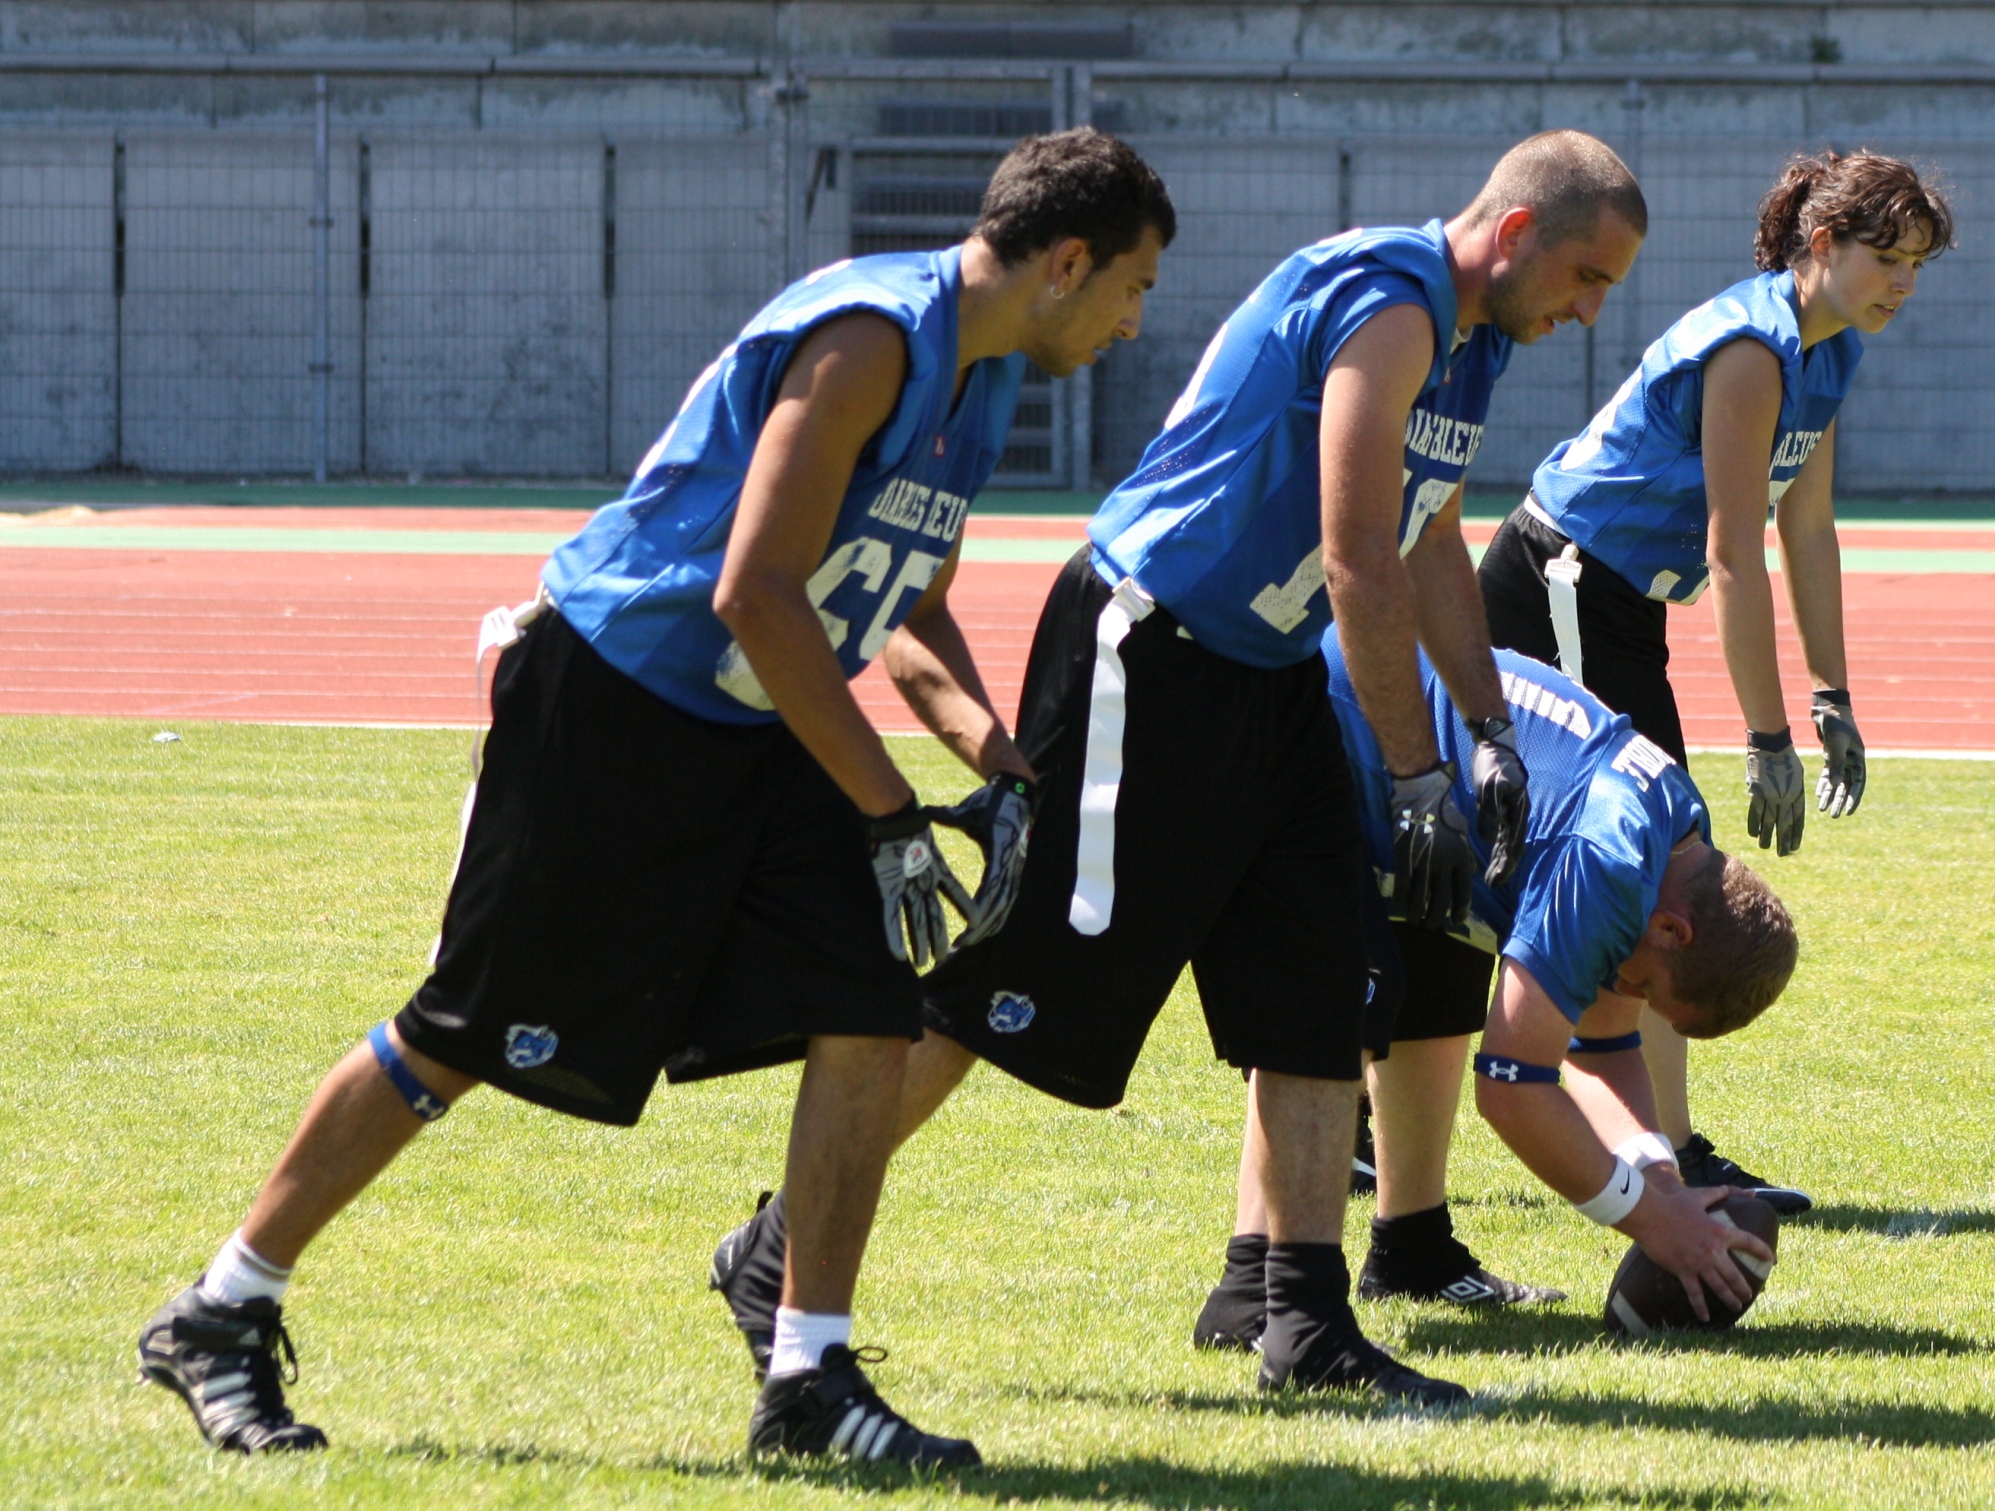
(1196, 806)
(1620, 899)
(686, 837)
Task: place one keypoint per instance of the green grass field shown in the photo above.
(516, 1315)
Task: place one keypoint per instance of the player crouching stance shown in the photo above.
(1620, 900)
(686, 835)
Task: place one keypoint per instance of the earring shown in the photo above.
(1057, 292)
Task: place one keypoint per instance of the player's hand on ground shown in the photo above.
(1502, 795)
(1776, 791)
(998, 816)
(1843, 770)
(1675, 1228)
(1433, 863)
(913, 879)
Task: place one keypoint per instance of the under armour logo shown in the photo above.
(1504, 1070)
(427, 1106)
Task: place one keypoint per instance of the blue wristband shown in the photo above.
(421, 1102)
(1515, 1072)
(1605, 1046)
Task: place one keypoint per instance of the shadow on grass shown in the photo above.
(1517, 1331)
(1899, 1222)
(1889, 1423)
(1275, 1486)
(1270, 1487)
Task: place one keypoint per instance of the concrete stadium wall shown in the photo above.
(503, 333)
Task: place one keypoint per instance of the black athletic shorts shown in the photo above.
(1622, 634)
(1443, 984)
(1231, 843)
(641, 890)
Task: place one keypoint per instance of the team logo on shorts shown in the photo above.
(1011, 1012)
(530, 1044)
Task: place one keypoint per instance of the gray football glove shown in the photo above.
(1776, 791)
(998, 816)
(1502, 795)
(1843, 773)
(913, 879)
(1433, 863)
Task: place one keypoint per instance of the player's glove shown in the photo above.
(998, 816)
(1502, 795)
(914, 878)
(1432, 861)
(1776, 790)
(1841, 786)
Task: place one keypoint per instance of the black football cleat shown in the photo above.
(222, 1360)
(1703, 1165)
(748, 1273)
(1237, 1308)
(1312, 1342)
(1419, 1258)
(1301, 1354)
(834, 1412)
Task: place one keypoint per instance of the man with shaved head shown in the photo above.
(1196, 804)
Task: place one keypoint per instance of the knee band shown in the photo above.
(1605, 1046)
(421, 1101)
(1515, 1072)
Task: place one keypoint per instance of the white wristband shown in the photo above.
(1617, 1198)
(1646, 1149)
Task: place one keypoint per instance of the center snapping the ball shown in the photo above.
(1644, 1296)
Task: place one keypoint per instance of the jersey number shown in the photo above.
(868, 559)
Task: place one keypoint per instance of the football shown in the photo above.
(1644, 1296)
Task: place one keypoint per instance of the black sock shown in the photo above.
(1312, 1280)
(1236, 1310)
(1416, 1230)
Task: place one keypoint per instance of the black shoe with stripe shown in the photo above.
(1703, 1165)
(223, 1361)
(748, 1273)
(1419, 1257)
(833, 1411)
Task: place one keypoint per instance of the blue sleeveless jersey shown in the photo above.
(1222, 522)
(1606, 806)
(1630, 487)
(638, 582)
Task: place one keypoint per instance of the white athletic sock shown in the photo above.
(802, 1338)
(241, 1274)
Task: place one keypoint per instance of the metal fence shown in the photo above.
(287, 289)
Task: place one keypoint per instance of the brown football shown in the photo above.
(1644, 1296)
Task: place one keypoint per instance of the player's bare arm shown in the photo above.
(930, 663)
(1741, 410)
(1447, 608)
(1546, 1127)
(1367, 395)
(1811, 560)
(839, 390)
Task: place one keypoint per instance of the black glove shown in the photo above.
(998, 816)
(913, 878)
(1841, 786)
(1432, 861)
(1502, 795)
(1776, 791)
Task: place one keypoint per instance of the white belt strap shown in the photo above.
(1101, 775)
(1562, 584)
(500, 628)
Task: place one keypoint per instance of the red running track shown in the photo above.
(331, 637)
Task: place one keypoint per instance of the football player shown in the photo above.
(689, 852)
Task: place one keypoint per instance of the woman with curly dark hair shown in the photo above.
(1667, 491)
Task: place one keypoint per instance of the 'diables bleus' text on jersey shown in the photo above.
(1630, 487)
(638, 582)
(1222, 521)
